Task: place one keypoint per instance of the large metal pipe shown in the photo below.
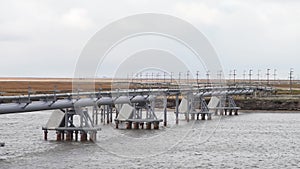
(34, 106)
(105, 101)
(43, 105)
(137, 96)
(138, 99)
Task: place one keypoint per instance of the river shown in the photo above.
(250, 140)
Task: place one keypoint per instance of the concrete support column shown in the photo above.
(236, 112)
(222, 111)
(230, 112)
(83, 136)
(93, 136)
(148, 126)
(156, 125)
(176, 111)
(111, 116)
(136, 125)
(107, 114)
(129, 125)
(192, 116)
(203, 116)
(117, 124)
(45, 134)
(165, 116)
(62, 135)
(208, 116)
(101, 115)
(58, 136)
(69, 135)
(76, 135)
(142, 125)
(189, 108)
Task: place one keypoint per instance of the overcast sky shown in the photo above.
(45, 38)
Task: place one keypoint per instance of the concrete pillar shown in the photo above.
(148, 126)
(216, 112)
(128, 125)
(222, 112)
(45, 134)
(83, 136)
(101, 115)
(236, 112)
(187, 116)
(58, 136)
(69, 135)
(136, 125)
(142, 125)
(165, 116)
(156, 125)
(189, 108)
(62, 135)
(203, 116)
(76, 135)
(176, 109)
(107, 114)
(208, 116)
(111, 116)
(193, 116)
(117, 124)
(93, 136)
(230, 112)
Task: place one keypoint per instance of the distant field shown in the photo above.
(17, 86)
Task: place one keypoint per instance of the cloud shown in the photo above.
(77, 18)
(248, 34)
(261, 33)
(5, 37)
(198, 12)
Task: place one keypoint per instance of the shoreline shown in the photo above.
(269, 111)
(271, 104)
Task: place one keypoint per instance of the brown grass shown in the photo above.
(18, 86)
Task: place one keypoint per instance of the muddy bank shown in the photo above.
(269, 104)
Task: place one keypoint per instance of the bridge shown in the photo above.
(136, 108)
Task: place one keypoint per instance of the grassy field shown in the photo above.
(18, 86)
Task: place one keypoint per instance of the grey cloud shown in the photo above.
(11, 37)
(240, 30)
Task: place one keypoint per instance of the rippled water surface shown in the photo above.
(250, 140)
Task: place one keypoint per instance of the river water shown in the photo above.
(250, 140)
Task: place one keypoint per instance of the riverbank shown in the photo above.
(267, 111)
(269, 103)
